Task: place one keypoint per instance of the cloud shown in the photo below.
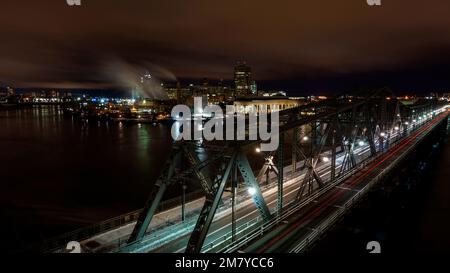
(130, 77)
(47, 41)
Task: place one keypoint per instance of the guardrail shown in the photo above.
(81, 234)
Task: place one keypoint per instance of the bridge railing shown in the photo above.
(81, 234)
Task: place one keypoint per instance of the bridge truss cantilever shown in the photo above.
(328, 132)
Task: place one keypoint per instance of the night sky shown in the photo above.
(299, 45)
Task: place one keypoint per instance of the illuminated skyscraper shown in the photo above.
(10, 91)
(254, 88)
(243, 81)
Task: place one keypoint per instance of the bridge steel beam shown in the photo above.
(319, 139)
(251, 182)
(208, 211)
(158, 190)
(267, 168)
(333, 154)
(239, 161)
(370, 130)
(205, 181)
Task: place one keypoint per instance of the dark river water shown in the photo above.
(58, 175)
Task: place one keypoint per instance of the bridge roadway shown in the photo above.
(296, 232)
(174, 238)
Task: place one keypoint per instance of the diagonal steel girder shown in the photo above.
(251, 182)
(311, 162)
(208, 211)
(204, 179)
(370, 130)
(268, 166)
(168, 178)
(152, 203)
(239, 161)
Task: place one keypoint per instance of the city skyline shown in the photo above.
(300, 45)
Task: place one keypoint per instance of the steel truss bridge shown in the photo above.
(330, 153)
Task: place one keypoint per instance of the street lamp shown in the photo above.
(361, 143)
(252, 191)
(325, 159)
(305, 138)
(383, 134)
(258, 150)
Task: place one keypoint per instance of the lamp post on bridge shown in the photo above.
(381, 138)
